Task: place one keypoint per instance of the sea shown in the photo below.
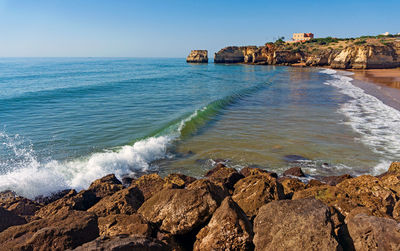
(65, 122)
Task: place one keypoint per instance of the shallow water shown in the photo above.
(65, 122)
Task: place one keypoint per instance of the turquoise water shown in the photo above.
(67, 121)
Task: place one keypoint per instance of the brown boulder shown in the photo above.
(294, 171)
(125, 201)
(395, 167)
(224, 176)
(247, 171)
(334, 180)
(291, 185)
(216, 191)
(228, 229)
(254, 191)
(72, 201)
(122, 224)
(363, 191)
(369, 192)
(19, 205)
(374, 233)
(105, 186)
(178, 211)
(54, 196)
(66, 229)
(330, 195)
(314, 183)
(303, 224)
(8, 219)
(124, 243)
(177, 180)
(149, 184)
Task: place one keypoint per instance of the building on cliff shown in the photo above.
(301, 37)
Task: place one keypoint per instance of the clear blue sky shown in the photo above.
(171, 28)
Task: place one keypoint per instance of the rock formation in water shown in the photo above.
(225, 210)
(349, 55)
(197, 56)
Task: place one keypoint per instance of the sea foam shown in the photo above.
(377, 123)
(27, 176)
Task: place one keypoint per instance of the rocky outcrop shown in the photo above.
(229, 55)
(362, 56)
(197, 56)
(225, 210)
(228, 229)
(303, 224)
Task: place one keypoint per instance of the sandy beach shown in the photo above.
(387, 77)
(381, 83)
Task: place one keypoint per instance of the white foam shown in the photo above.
(377, 123)
(30, 178)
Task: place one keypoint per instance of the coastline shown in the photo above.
(381, 83)
(226, 208)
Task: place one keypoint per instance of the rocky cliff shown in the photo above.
(198, 56)
(375, 54)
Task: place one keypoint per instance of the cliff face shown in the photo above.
(363, 56)
(198, 56)
(367, 56)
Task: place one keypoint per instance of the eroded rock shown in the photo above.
(197, 56)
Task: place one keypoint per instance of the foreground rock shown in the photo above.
(254, 191)
(224, 176)
(228, 229)
(8, 219)
(122, 224)
(197, 56)
(294, 225)
(125, 201)
(374, 233)
(178, 211)
(64, 230)
(124, 243)
(19, 205)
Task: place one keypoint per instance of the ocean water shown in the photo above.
(67, 121)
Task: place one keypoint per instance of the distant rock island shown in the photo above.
(198, 56)
(367, 52)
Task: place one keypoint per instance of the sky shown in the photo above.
(171, 28)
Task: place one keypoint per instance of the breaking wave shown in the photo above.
(377, 123)
(23, 173)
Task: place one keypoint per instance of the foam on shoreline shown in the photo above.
(375, 122)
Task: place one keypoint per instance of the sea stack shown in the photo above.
(198, 56)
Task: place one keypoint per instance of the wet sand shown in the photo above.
(382, 83)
